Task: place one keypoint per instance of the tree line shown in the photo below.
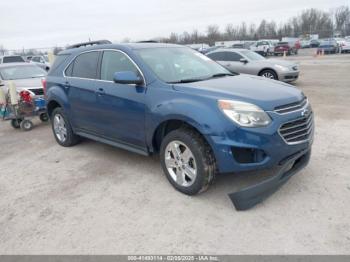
(309, 21)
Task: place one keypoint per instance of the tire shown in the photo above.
(16, 123)
(44, 117)
(26, 125)
(199, 159)
(62, 129)
(268, 73)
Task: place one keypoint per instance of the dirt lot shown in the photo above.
(96, 199)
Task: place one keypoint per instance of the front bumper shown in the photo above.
(266, 150)
(288, 76)
(252, 195)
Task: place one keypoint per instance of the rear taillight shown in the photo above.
(43, 82)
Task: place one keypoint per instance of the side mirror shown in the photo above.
(127, 77)
(243, 60)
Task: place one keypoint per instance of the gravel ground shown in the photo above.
(96, 199)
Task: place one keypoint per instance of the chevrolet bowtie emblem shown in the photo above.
(305, 112)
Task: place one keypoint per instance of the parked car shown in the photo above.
(282, 47)
(11, 59)
(173, 101)
(328, 46)
(314, 43)
(346, 47)
(24, 75)
(305, 43)
(41, 61)
(27, 58)
(262, 47)
(212, 48)
(341, 42)
(249, 62)
(239, 46)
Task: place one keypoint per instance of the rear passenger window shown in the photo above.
(85, 65)
(232, 56)
(114, 61)
(218, 56)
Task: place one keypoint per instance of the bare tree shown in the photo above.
(3, 50)
(213, 34)
(342, 19)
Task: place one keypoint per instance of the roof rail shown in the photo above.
(98, 42)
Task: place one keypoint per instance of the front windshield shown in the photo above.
(21, 72)
(179, 64)
(252, 55)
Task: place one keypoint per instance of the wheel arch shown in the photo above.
(172, 124)
(51, 105)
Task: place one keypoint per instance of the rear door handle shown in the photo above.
(100, 91)
(66, 85)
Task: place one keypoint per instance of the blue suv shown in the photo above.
(165, 99)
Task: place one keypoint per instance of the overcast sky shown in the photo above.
(47, 23)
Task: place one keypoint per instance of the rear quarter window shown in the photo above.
(58, 61)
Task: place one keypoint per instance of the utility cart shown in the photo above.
(27, 107)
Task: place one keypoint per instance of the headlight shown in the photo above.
(283, 68)
(244, 114)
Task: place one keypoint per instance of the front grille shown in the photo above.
(37, 91)
(290, 77)
(291, 107)
(298, 130)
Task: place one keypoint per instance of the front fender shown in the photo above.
(201, 113)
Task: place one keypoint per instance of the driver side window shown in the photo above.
(114, 61)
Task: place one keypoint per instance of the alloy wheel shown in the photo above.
(268, 75)
(59, 126)
(180, 163)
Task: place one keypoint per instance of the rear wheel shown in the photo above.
(187, 161)
(62, 129)
(16, 123)
(268, 74)
(44, 117)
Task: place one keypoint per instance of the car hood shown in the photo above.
(27, 83)
(265, 93)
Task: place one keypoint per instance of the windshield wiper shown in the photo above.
(221, 75)
(188, 80)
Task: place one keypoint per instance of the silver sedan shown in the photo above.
(248, 62)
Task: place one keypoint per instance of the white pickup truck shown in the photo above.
(262, 47)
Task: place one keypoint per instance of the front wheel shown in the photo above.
(62, 129)
(269, 74)
(187, 161)
(26, 125)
